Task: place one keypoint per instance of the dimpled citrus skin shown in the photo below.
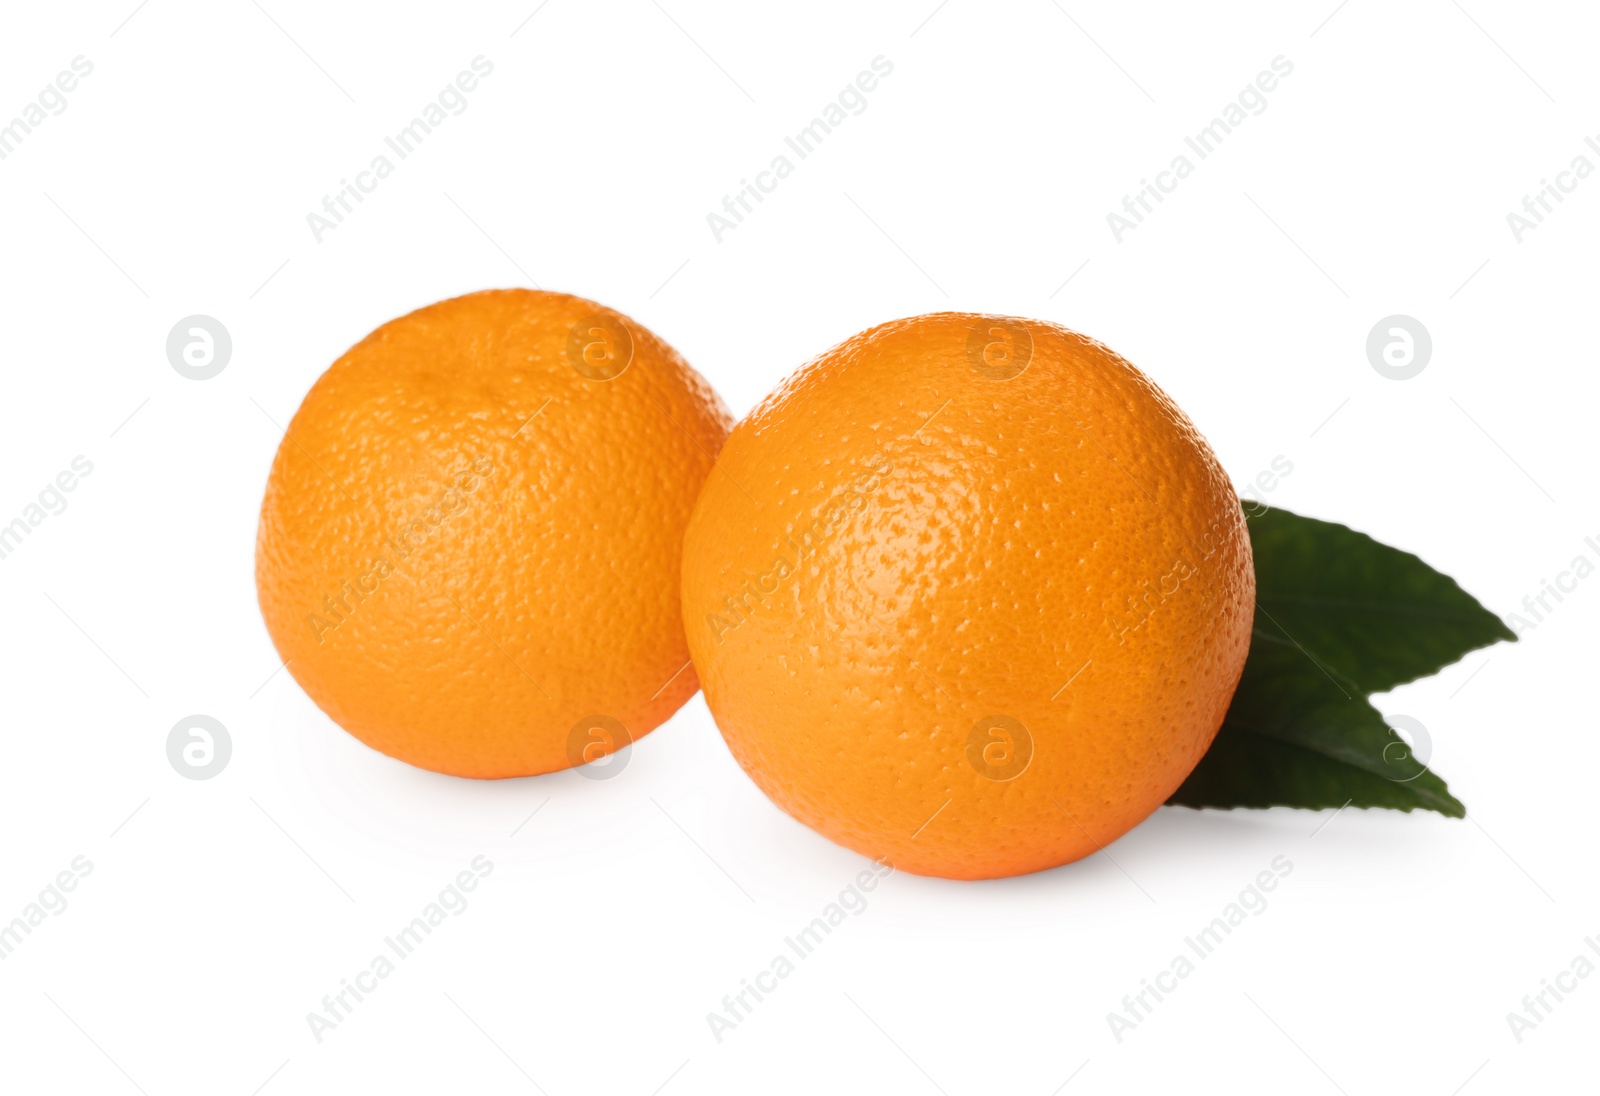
(925, 545)
(467, 546)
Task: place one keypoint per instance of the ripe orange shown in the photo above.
(471, 538)
(972, 596)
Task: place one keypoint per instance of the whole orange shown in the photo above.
(972, 596)
(471, 538)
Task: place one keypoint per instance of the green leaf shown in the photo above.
(1338, 616)
(1246, 770)
(1296, 737)
(1372, 614)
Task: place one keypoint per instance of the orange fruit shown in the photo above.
(471, 538)
(972, 596)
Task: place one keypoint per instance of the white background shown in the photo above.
(218, 913)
